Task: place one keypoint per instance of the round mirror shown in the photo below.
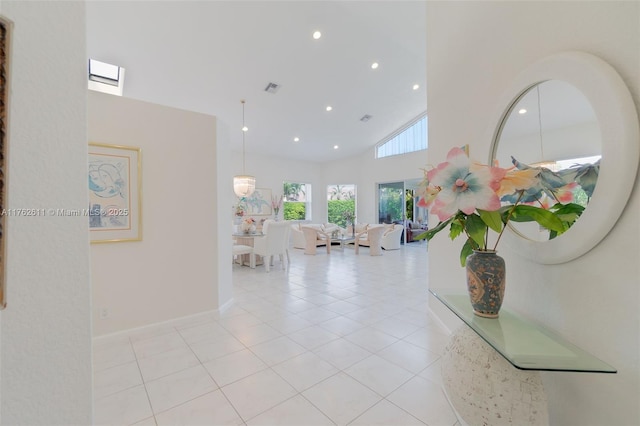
(553, 127)
(560, 93)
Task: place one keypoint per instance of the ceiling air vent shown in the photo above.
(272, 88)
(365, 118)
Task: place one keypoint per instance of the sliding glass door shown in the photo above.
(391, 202)
(398, 203)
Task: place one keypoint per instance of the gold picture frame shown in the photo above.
(6, 28)
(115, 193)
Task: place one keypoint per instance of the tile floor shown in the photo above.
(335, 339)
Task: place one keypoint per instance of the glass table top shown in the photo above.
(525, 345)
(248, 234)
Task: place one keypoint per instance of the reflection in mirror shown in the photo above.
(552, 126)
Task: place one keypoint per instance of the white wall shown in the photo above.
(45, 370)
(224, 192)
(364, 171)
(475, 50)
(272, 172)
(173, 272)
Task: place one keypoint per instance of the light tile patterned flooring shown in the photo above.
(334, 339)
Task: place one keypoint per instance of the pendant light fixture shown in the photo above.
(244, 184)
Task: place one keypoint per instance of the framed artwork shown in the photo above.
(115, 193)
(5, 69)
(258, 203)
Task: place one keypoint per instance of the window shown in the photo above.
(297, 201)
(411, 138)
(340, 199)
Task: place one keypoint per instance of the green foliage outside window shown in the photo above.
(390, 205)
(336, 209)
(294, 191)
(408, 197)
(294, 210)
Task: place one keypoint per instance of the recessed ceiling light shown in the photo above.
(374, 65)
(317, 35)
(245, 128)
(296, 139)
(335, 147)
(416, 86)
(522, 111)
(329, 108)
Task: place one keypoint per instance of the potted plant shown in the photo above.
(350, 219)
(470, 198)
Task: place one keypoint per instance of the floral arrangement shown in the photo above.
(470, 198)
(239, 210)
(248, 225)
(276, 204)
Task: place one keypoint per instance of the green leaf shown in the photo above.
(476, 229)
(456, 230)
(432, 232)
(492, 219)
(546, 218)
(568, 213)
(467, 249)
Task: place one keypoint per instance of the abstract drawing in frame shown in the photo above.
(258, 203)
(115, 193)
(6, 27)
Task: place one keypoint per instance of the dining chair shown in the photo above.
(240, 249)
(274, 243)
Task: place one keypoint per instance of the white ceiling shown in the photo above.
(206, 56)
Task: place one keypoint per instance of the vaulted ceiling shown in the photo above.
(206, 56)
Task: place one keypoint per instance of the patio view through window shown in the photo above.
(297, 201)
(340, 199)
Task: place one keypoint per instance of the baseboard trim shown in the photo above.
(167, 323)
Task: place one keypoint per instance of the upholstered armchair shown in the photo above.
(313, 236)
(391, 237)
(371, 237)
(298, 239)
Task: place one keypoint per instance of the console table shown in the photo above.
(490, 369)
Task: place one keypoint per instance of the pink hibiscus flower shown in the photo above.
(464, 186)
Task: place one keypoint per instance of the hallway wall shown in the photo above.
(45, 337)
(475, 50)
(174, 270)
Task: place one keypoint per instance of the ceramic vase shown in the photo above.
(486, 282)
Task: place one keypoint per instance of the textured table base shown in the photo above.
(485, 389)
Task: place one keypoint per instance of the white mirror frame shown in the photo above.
(620, 135)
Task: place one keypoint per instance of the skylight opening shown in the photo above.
(106, 78)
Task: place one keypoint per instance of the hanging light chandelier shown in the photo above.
(244, 184)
